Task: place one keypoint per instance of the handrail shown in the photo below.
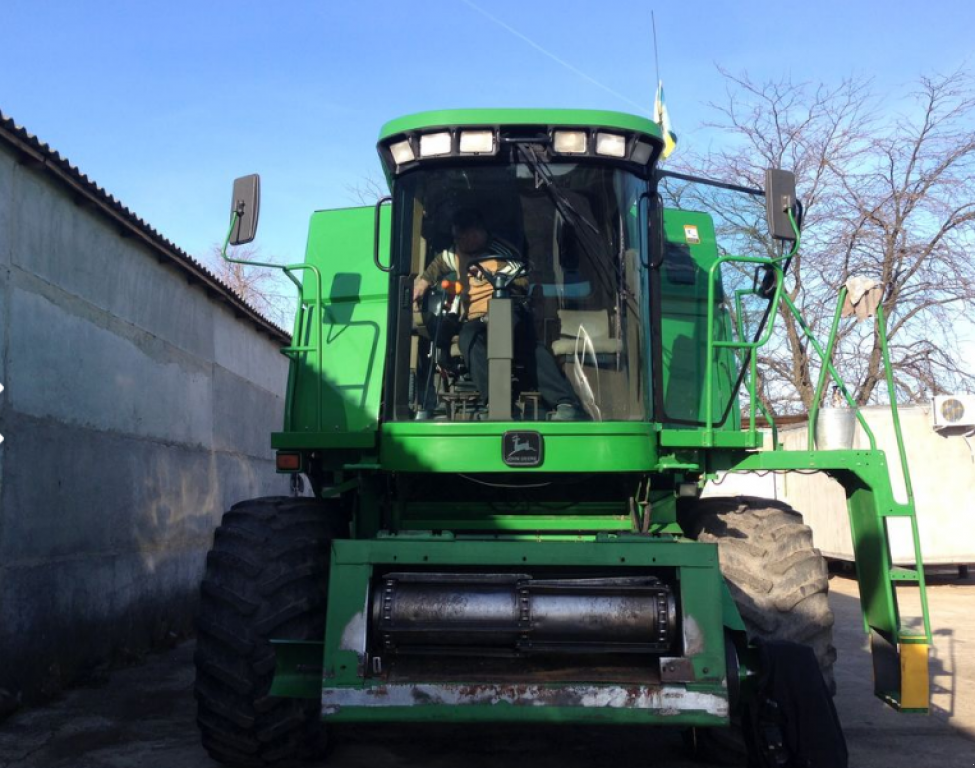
(771, 421)
(752, 362)
(752, 370)
(753, 400)
(824, 370)
(779, 297)
(377, 225)
(773, 264)
(833, 372)
(752, 346)
(905, 470)
(288, 269)
(892, 395)
(286, 351)
(885, 594)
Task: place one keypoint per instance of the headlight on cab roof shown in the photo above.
(569, 142)
(610, 144)
(477, 143)
(641, 153)
(432, 144)
(402, 152)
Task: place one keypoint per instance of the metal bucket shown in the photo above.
(835, 428)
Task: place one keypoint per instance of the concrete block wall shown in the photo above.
(136, 409)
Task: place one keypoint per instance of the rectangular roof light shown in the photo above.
(610, 144)
(477, 142)
(641, 153)
(402, 152)
(432, 144)
(569, 142)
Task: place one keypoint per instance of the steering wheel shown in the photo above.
(500, 281)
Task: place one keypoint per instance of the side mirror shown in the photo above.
(780, 198)
(246, 204)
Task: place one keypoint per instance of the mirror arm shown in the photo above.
(786, 257)
(223, 254)
(233, 223)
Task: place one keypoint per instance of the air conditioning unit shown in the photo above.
(954, 411)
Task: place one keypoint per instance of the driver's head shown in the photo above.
(469, 231)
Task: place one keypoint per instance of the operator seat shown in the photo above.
(586, 332)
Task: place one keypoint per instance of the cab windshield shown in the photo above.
(573, 236)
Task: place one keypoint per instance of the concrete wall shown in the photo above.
(942, 467)
(136, 409)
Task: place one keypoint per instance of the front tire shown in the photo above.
(778, 579)
(779, 582)
(266, 577)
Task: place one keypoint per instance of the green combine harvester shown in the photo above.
(509, 383)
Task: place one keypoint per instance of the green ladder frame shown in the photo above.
(899, 653)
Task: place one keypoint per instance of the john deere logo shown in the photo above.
(522, 449)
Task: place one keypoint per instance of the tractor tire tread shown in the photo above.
(776, 576)
(265, 577)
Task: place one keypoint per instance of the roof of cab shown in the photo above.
(510, 117)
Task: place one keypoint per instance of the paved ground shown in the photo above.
(144, 717)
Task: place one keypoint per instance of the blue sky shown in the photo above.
(164, 103)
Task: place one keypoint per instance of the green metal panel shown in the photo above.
(695, 438)
(473, 516)
(476, 446)
(339, 345)
(294, 665)
(349, 695)
(684, 321)
(493, 117)
(434, 550)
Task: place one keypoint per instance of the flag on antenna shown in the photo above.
(662, 118)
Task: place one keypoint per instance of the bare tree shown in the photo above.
(889, 197)
(265, 289)
(368, 190)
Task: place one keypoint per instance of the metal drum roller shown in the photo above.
(516, 613)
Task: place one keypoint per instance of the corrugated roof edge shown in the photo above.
(41, 156)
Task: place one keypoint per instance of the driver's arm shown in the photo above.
(419, 288)
(434, 271)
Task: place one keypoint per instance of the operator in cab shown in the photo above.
(473, 248)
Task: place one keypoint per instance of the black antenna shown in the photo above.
(656, 59)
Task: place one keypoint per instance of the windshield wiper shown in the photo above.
(562, 203)
(589, 234)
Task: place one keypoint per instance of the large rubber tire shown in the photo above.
(778, 579)
(779, 582)
(266, 577)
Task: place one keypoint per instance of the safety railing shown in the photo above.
(780, 298)
(304, 317)
(773, 266)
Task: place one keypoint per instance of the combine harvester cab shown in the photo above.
(515, 532)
